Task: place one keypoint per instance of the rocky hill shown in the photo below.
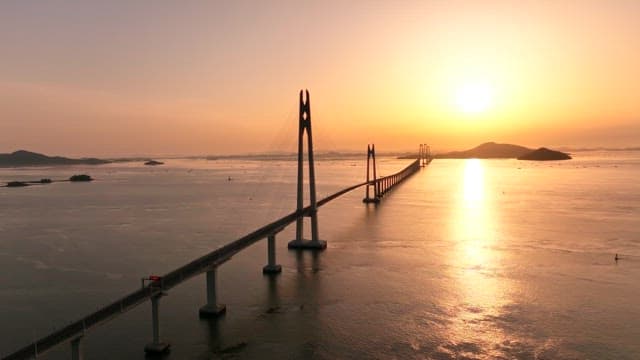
(28, 158)
(544, 154)
(488, 150)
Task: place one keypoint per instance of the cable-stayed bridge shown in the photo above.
(154, 287)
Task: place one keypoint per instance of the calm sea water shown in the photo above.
(468, 259)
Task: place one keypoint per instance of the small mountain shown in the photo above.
(544, 154)
(28, 158)
(488, 150)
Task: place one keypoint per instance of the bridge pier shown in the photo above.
(76, 349)
(271, 267)
(212, 308)
(156, 346)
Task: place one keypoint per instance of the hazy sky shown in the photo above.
(108, 78)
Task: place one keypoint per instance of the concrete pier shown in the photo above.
(76, 349)
(271, 267)
(156, 346)
(307, 244)
(212, 308)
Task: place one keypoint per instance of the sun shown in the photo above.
(473, 98)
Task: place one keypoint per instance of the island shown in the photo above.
(27, 158)
(492, 150)
(83, 177)
(544, 154)
(44, 181)
(154, 163)
(17, 184)
(489, 150)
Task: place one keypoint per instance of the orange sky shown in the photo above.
(114, 78)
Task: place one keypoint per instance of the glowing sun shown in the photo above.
(474, 98)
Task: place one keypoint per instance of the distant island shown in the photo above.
(17, 184)
(544, 154)
(492, 150)
(28, 158)
(154, 163)
(44, 181)
(81, 177)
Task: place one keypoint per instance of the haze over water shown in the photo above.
(95, 78)
(473, 259)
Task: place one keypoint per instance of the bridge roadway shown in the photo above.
(213, 259)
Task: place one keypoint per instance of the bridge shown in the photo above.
(155, 287)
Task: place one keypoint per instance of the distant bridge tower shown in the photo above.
(371, 182)
(305, 124)
(425, 154)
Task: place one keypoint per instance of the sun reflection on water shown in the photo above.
(473, 183)
(479, 294)
(472, 218)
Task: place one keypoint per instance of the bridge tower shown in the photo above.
(425, 155)
(305, 125)
(371, 158)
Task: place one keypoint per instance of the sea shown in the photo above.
(466, 259)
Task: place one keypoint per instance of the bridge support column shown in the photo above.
(156, 346)
(76, 349)
(212, 308)
(304, 124)
(271, 267)
(371, 155)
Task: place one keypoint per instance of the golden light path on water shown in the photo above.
(473, 218)
(480, 294)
